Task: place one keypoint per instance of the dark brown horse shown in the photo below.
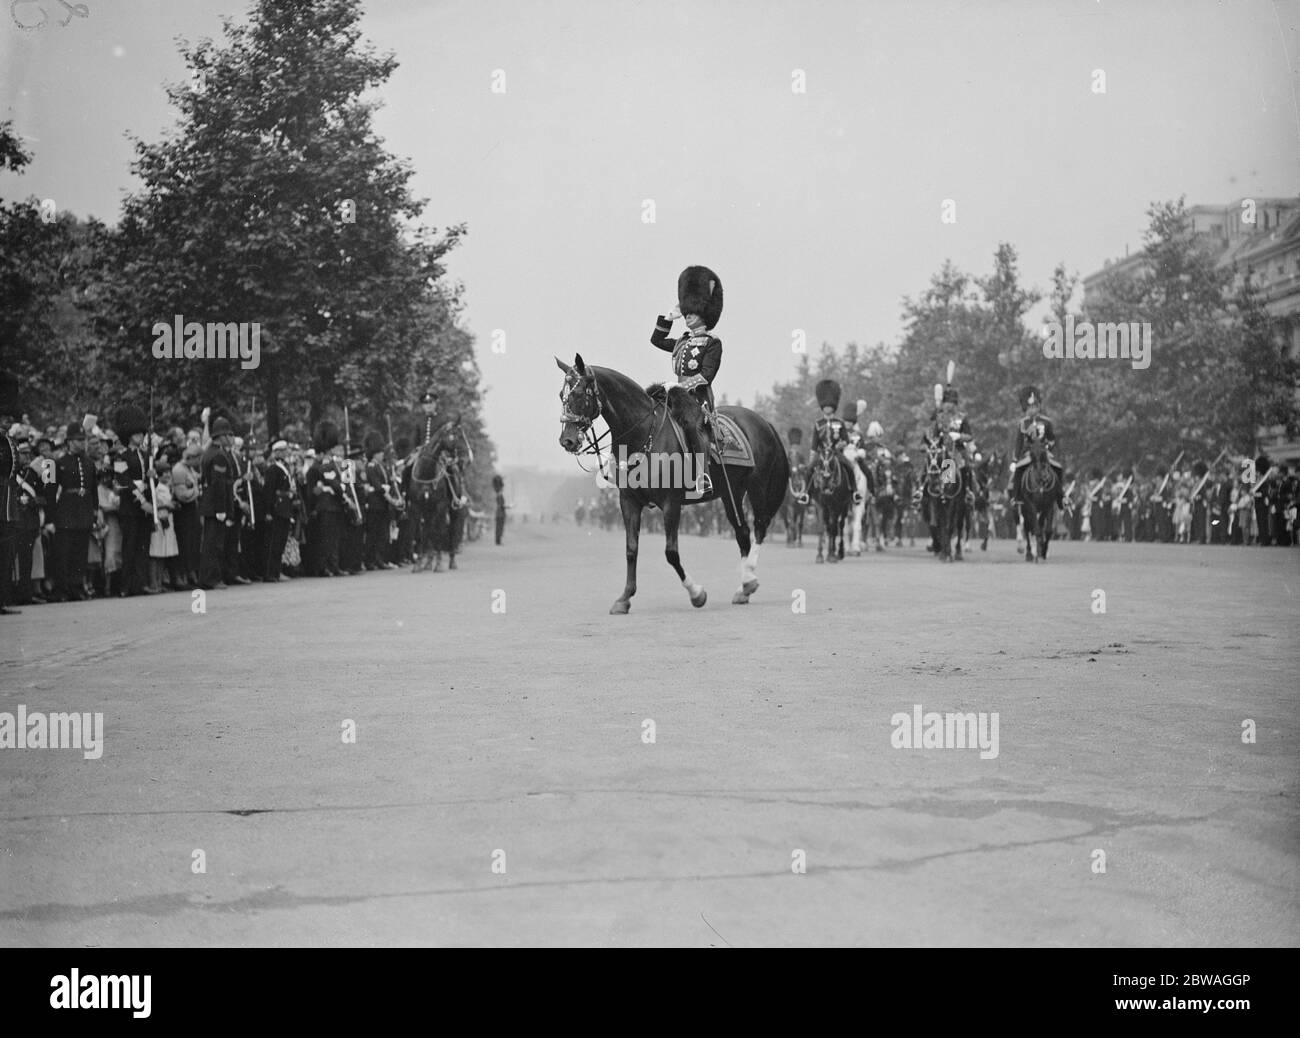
(1038, 502)
(944, 498)
(438, 499)
(639, 431)
(832, 482)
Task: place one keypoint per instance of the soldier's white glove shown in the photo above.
(674, 313)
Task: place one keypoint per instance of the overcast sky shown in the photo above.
(819, 210)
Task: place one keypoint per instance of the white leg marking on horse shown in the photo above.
(692, 588)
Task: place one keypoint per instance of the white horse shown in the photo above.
(856, 454)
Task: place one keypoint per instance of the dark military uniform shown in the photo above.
(279, 504)
(72, 501)
(697, 355)
(216, 508)
(324, 491)
(241, 519)
(131, 481)
(9, 517)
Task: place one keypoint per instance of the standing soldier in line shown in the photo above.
(498, 484)
(325, 497)
(1200, 530)
(379, 504)
(29, 524)
(131, 470)
(399, 476)
(232, 562)
(10, 411)
(72, 501)
(1263, 501)
(279, 503)
(352, 535)
(1122, 506)
(216, 506)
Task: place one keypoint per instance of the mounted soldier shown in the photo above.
(1034, 427)
(697, 356)
(830, 434)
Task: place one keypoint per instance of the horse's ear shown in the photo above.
(563, 367)
(579, 365)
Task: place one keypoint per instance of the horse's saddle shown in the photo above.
(730, 445)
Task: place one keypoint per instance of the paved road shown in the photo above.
(522, 732)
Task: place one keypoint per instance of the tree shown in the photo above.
(275, 204)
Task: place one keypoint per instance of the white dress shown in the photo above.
(162, 542)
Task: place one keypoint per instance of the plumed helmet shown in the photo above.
(327, 437)
(374, 443)
(875, 431)
(699, 291)
(1030, 394)
(130, 420)
(498, 482)
(828, 394)
(795, 436)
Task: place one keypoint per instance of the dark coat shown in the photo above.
(72, 498)
(218, 494)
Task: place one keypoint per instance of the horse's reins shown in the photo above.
(587, 424)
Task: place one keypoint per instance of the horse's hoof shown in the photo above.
(740, 598)
(820, 559)
(879, 548)
(856, 554)
(451, 564)
(749, 587)
(698, 603)
(619, 608)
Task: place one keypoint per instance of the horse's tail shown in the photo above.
(766, 501)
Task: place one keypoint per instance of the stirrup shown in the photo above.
(704, 485)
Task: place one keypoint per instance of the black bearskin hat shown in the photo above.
(374, 443)
(1162, 471)
(1096, 473)
(828, 394)
(326, 438)
(699, 291)
(851, 413)
(1028, 393)
(128, 421)
(795, 436)
(498, 482)
(1199, 468)
(1262, 464)
(402, 446)
(950, 395)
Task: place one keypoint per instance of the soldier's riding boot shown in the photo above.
(451, 560)
(697, 447)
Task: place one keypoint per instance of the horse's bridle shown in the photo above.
(585, 423)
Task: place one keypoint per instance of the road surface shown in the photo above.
(503, 788)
